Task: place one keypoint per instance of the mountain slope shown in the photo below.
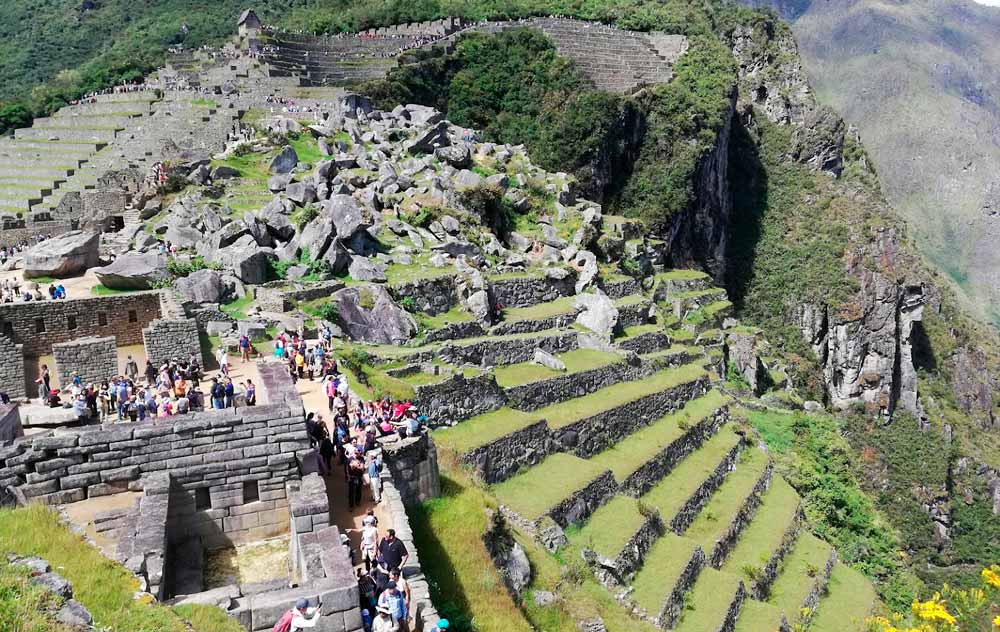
(919, 80)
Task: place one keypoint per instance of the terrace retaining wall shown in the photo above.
(412, 463)
(584, 502)
(507, 351)
(741, 520)
(499, 460)
(27, 233)
(432, 296)
(689, 511)
(458, 398)
(528, 291)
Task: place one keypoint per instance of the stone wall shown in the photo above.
(620, 289)
(230, 467)
(122, 316)
(12, 369)
(578, 507)
(14, 236)
(761, 587)
(503, 351)
(741, 520)
(689, 511)
(432, 296)
(634, 314)
(168, 339)
(99, 204)
(282, 296)
(93, 359)
(646, 343)
(458, 398)
(499, 460)
(535, 395)
(526, 326)
(619, 571)
(528, 291)
(10, 424)
(454, 331)
(308, 504)
(412, 463)
(674, 606)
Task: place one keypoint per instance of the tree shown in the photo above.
(13, 115)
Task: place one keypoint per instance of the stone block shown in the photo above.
(268, 607)
(54, 464)
(52, 443)
(41, 477)
(63, 497)
(120, 474)
(79, 480)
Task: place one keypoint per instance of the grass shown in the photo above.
(763, 536)
(101, 290)
(798, 575)
(609, 528)
(638, 330)
(204, 103)
(716, 517)
(757, 616)
(681, 275)
(25, 606)
(238, 308)
(706, 605)
(850, 598)
(104, 587)
(576, 362)
(660, 571)
(628, 455)
(540, 311)
(454, 315)
(714, 308)
(673, 491)
(482, 429)
(536, 491)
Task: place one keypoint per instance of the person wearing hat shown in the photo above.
(392, 599)
(440, 626)
(384, 621)
(298, 618)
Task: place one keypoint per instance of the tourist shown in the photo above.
(374, 478)
(393, 551)
(230, 392)
(393, 600)
(218, 393)
(131, 369)
(150, 371)
(46, 378)
(223, 359)
(384, 621)
(80, 409)
(366, 590)
(369, 545)
(440, 626)
(298, 618)
(244, 348)
(402, 586)
(251, 394)
(355, 479)
(54, 400)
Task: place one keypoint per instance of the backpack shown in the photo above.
(284, 624)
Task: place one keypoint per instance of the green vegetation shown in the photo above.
(715, 518)
(541, 311)
(608, 529)
(701, 606)
(24, 606)
(238, 308)
(849, 599)
(184, 267)
(539, 489)
(663, 566)
(101, 290)
(802, 568)
(759, 541)
(576, 361)
(104, 587)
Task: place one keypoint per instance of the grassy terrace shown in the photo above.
(698, 293)
(576, 362)
(673, 491)
(610, 527)
(757, 616)
(483, 429)
(660, 571)
(850, 598)
(628, 455)
(681, 275)
(705, 606)
(638, 330)
(537, 490)
(540, 311)
(714, 520)
(763, 536)
(805, 562)
(714, 308)
(454, 315)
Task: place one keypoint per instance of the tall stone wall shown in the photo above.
(10, 423)
(432, 296)
(39, 325)
(93, 359)
(15, 236)
(413, 465)
(12, 369)
(528, 291)
(229, 467)
(166, 339)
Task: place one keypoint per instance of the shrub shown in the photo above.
(182, 267)
(303, 215)
(408, 303)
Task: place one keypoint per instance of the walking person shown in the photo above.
(131, 369)
(223, 359)
(244, 348)
(218, 394)
(355, 476)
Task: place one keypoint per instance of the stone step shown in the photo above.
(803, 577)
(30, 172)
(765, 542)
(713, 604)
(68, 133)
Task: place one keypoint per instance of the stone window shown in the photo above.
(102, 318)
(251, 492)
(71, 322)
(202, 499)
(39, 325)
(133, 316)
(8, 330)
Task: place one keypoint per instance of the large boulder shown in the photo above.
(134, 271)
(66, 255)
(599, 313)
(247, 260)
(364, 269)
(347, 216)
(368, 313)
(285, 161)
(182, 236)
(203, 286)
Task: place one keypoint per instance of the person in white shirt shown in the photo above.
(300, 620)
(384, 621)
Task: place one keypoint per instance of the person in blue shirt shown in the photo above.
(394, 600)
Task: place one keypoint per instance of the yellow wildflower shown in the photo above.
(991, 577)
(996, 621)
(933, 610)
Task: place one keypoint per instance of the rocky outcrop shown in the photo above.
(508, 556)
(134, 271)
(66, 255)
(865, 348)
(368, 313)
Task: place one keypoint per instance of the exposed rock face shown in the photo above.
(599, 313)
(368, 313)
(780, 92)
(508, 556)
(134, 271)
(866, 348)
(68, 254)
(741, 355)
(973, 385)
(203, 286)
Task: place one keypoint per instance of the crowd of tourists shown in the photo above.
(8, 252)
(12, 290)
(175, 388)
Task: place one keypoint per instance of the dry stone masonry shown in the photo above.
(92, 359)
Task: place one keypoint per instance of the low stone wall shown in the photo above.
(622, 288)
(422, 609)
(10, 424)
(760, 588)
(507, 350)
(455, 331)
(283, 296)
(528, 291)
(146, 553)
(39, 325)
(12, 380)
(634, 314)
(646, 343)
(29, 232)
(599, 432)
(558, 321)
(674, 606)
(308, 504)
(499, 460)
(458, 398)
(431, 296)
(741, 520)
(412, 463)
(93, 359)
(168, 339)
(561, 388)
(733, 612)
(618, 572)
(584, 502)
(819, 586)
(689, 511)
(230, 465)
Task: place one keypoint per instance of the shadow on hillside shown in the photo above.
(748, 189)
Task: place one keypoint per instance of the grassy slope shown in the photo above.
(104, 587)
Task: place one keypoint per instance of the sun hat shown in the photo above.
(302, 604)
(384, 610)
